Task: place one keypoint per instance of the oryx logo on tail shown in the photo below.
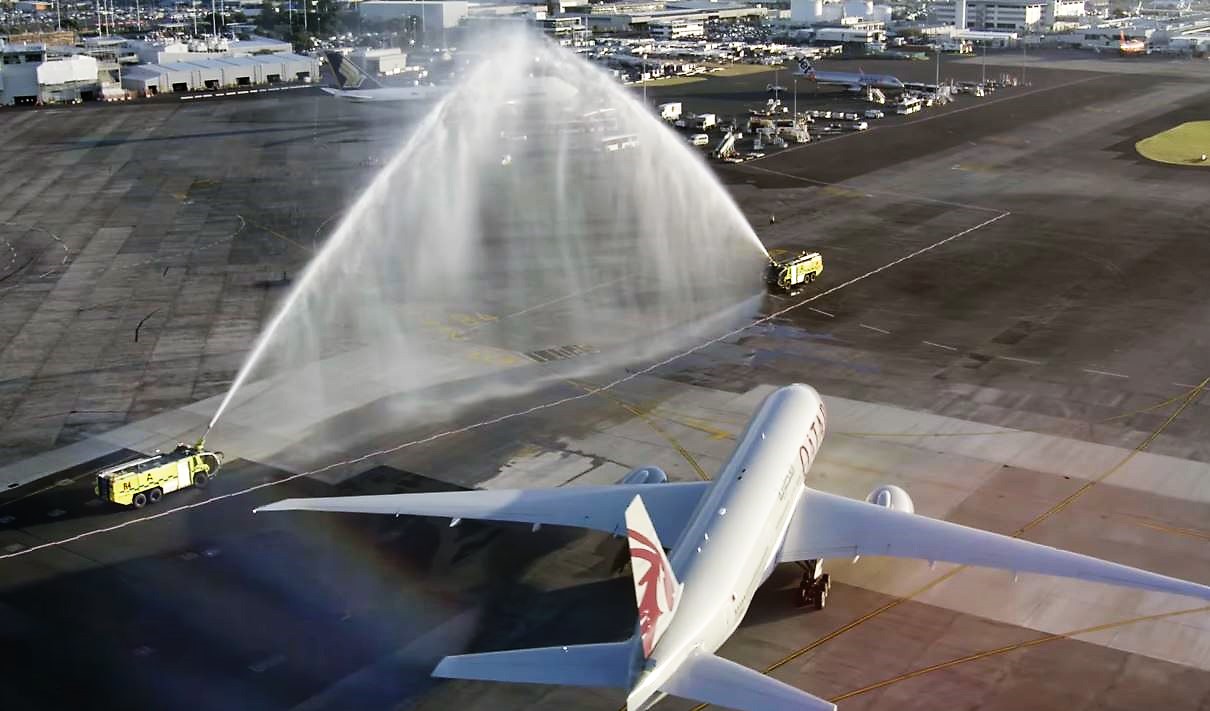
(656, 589)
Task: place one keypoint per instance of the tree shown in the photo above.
(301, 39)
(267, 20)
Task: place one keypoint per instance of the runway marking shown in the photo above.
(1104, 372)
(1015, 359)
(281, 236)
(821, 311)
(1159, 526)
(1184, 385)
(685, 454)
(1189, 400)
(1012, 648)
(632, 375)
(54, 236)
(939, 345)
(874, 328)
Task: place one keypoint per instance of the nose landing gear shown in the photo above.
(813, 590)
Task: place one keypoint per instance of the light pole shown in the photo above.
(795, 103)
(985, 62)
(937, 76)
(645, 79)
(1022, 60)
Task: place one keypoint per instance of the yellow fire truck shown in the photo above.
(145, 481)
(789, 274)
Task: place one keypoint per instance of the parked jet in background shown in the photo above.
(728, 534)
(850, 81)
(355, 85)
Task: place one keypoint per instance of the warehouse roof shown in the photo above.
(149, 70)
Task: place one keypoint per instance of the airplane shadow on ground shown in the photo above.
(217, 608)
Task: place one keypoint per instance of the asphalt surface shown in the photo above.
(150, 243)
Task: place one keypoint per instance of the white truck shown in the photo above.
(703, 122)
(670, 111)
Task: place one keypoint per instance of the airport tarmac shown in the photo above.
(1035, 363)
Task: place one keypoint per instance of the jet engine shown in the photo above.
(891, 497)
(647, 475)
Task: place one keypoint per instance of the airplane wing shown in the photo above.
(606, 665)
(598, 507)
(830, 526)
(714, 680)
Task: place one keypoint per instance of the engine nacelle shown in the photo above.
(891, 497)
(645, 475)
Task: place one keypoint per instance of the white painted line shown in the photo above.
(14, 550)
(1020, 360)
(1104, 372)
(939, 345)
(874, 328)
(821, 311)
(1184, 385)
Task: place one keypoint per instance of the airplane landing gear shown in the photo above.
(813, 590)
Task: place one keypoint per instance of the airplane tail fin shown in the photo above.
(714, 680)
(607, 665)
(656, 589)
(348, 74)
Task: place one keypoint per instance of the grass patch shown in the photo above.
(739, 70)
(670, 81)
(1183, 145)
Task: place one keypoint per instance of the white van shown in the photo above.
(699, 139)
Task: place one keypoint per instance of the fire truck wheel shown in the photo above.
(139, 500)
(200, 480)
(155, 495)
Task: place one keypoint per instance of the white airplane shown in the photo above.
(729, 534)
(850, 81)
(355, 85)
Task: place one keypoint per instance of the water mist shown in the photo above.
(539, 223)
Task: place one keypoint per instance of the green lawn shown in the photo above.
(1183, 145)
(671, 81)
(736, 70)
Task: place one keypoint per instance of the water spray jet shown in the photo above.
(538, 199)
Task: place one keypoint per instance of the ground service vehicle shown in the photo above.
(792, 273)
(145, 481)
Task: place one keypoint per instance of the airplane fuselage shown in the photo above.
(732, 543)
(854, 82)
(403, 93)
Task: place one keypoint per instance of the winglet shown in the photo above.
(656, 589)
(348, 74)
